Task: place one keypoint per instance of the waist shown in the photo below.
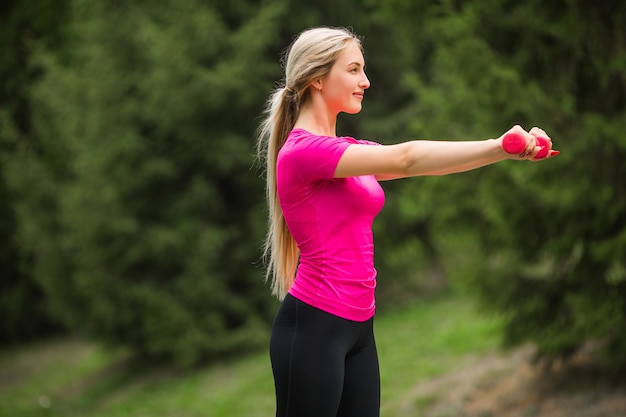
(352, 298)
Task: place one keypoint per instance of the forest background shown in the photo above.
(132, 208)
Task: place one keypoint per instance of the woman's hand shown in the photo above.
(542, 139)
(535, 145)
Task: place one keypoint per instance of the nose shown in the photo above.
(365, 82)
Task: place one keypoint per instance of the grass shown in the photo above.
(429, 339)
(72, 378)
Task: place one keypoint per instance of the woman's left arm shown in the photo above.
(424, 157)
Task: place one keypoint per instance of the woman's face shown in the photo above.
(344, 87)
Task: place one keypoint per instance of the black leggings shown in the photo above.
(324, 365)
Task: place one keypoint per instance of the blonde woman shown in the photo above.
(323, 194)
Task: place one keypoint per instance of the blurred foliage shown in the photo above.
(134, 190)
(133, 211)
(22, 302)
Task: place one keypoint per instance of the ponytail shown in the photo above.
(280, 251)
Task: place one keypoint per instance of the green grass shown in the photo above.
(71, 378)
(429, 339)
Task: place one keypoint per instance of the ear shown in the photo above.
(317, 84)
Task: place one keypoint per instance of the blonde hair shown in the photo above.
(309, 58)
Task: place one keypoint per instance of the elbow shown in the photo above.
(409, 164)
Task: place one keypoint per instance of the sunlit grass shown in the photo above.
(78, 379)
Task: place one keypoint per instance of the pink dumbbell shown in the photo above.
(515, 143)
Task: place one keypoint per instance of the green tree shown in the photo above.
(22, 303)
(138, 205)
(562, 280)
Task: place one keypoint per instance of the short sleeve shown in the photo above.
(311, 158)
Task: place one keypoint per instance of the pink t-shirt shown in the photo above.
(331, 221)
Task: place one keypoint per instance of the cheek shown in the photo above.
(336, 96)
(343, 90)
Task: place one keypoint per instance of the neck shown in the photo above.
(314, 117)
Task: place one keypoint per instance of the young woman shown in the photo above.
(323, 194)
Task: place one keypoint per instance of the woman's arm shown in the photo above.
(422, 157)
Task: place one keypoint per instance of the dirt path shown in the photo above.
(509, 385)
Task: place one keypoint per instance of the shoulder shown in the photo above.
(302, 139)
(312, 156)
(303, 143)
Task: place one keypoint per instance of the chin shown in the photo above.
(354, 110)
